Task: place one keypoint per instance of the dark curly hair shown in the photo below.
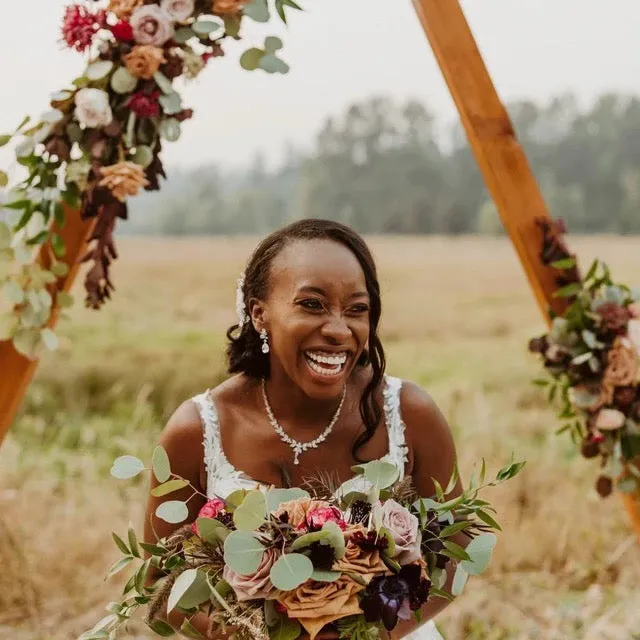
(244, 349)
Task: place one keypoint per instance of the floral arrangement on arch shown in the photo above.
(592, 356)
(272, 564)
(101, 142)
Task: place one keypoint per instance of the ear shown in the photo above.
(258, 313)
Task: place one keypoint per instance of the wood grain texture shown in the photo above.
(16, 371)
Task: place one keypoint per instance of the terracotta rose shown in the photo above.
(316, 604)
(144, 60)
(365, 562)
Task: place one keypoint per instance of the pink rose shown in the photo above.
(633, 333)
(152, 25)
(610, 419)
(178, 10)
(404, 528)
(211, 509)
(254, 586)
(317, 517)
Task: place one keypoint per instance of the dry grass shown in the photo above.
(458, 316)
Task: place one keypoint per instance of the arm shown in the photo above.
(182, 440)
(434, 455)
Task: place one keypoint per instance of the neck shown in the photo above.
(291, 405)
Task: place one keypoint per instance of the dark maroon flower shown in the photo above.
(624, 397)
(390, 598)
(370, 541)
(79, 26)
(143, 105)
(359, 511)
(538, 345)
(590, 448)
(614, 317)
(604, 486)
(122, 31)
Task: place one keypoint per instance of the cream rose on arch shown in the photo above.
(92, 108)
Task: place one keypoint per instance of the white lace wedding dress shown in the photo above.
(223, 478)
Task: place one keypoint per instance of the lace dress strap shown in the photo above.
(398, 450)
(211, 433)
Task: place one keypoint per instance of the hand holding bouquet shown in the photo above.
(274, 564)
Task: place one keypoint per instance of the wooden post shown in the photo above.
(16, 371)
(500, 157)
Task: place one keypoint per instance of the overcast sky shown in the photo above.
(344, 50)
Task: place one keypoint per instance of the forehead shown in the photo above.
(321, 263)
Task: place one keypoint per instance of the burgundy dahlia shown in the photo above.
(122, 31)
(143, 105)
(614, 317)
(370, 541)
(79, 26)
(390, 598)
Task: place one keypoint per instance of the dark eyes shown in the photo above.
(312, 304)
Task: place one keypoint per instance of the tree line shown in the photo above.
(385, 167)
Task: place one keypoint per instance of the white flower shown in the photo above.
(93, 109)
(179, 10)
(609, 420)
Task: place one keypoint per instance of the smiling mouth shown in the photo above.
(326, 364)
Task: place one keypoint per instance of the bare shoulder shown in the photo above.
(428, 436)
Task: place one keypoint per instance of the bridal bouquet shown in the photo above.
(272, 564)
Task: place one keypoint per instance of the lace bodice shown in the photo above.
(223, 478)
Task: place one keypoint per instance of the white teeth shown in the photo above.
(323, 370)
(338, 359)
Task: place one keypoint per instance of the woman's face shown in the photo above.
(316, 315)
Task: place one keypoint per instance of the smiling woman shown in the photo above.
(308, 392)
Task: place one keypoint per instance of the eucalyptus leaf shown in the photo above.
(459, 581)
(161, 464)
(479, 550)
(272, 44)
(285, 629)
(212, 531)
(189, 590)
(173, 511)
(243, 552)
(123, 82)
(49, 339)
(275, 497)
(13, 293)
(169, 487)
(53, 116)
(143, 155)
(170, 129)
(380, 474)
(171, 103)
(290, 571)
(162, 628)
(272, 64)
(25, 148)
(250, 59)
(251, 513)
(5, 139)
(99, 69)
(206, 27)
(257, 10)
(183, 35)
(126, 467)
(164, 83)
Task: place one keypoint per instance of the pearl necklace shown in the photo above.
(300, 447)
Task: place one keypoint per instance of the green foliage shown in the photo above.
(290, 571)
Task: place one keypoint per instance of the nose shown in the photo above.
(336, 329)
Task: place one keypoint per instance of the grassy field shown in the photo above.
(457, 318)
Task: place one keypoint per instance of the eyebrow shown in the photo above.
(322, 292)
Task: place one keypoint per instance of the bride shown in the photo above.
(308, 390)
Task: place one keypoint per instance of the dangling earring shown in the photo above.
(264, 336)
